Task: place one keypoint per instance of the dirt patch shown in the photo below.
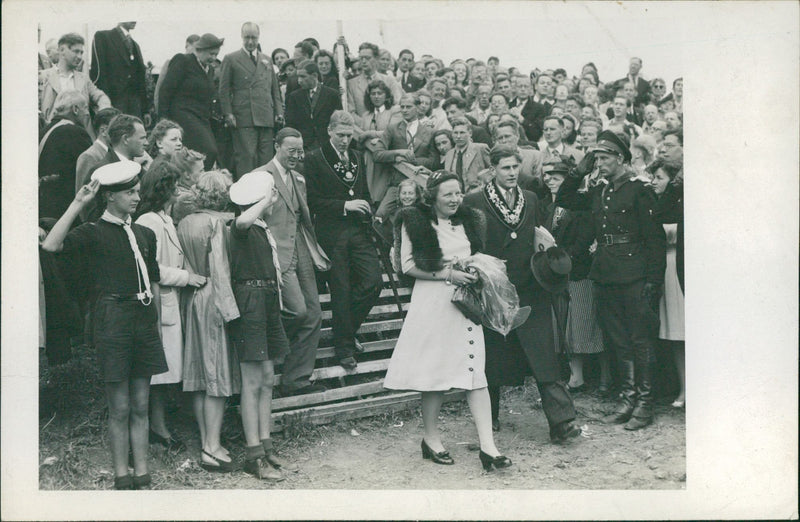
(383, 452)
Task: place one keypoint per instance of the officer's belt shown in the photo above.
(617, 239)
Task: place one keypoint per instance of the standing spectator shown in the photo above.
(257, 334)
(368, 58)
(251, 102)
(118, 69)
(530, 171)
(63, 142)
(669, 210)
(309, 108)
(538, 107)
(640, 85)
(210, 367)
(128, 140)
(158, 192)
(572, 230)
(162, 73)
(188, 92)
(67, 75)
(456, 108)
(466, 159)
(554, 147)
(628, 269)
(339, 198)
(299, 254)
(408, 81)
(124, 277)
(278, 57)
(439, 348)
(94, 155)
(512, 215)
(328, 71)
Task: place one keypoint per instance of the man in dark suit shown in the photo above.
(118, 69)
(512, 214)
(641, 85)
(63, 142)
(250, 98)
(338, 196)
(538, 108)
(94, 155)
(309, 109)
(457, 108)
(405, 63)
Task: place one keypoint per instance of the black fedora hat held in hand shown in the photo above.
(551, 269)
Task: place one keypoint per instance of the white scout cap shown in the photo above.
(120, 175)
(252, 187)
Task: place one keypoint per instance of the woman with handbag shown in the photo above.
(439, 349)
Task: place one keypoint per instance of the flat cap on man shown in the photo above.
(611, 142)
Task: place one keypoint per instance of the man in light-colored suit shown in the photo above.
(507, 133)
(94, 155)
(65, 76)
(368, 57)
(298, 255)
(406, 139)
(250, 98)
(467, 159)
(552, 131)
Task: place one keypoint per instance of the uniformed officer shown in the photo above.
(628, 268)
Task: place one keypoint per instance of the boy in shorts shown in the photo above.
(257, 335)
(123, 275)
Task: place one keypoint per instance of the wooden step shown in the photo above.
(375, 326)
(336, 394)
(377, 309)
(387, 292)
(331, 372)
(354, 409)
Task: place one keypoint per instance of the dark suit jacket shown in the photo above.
(327, 194)
(394, 138)
(57, 162)
(642, 90)
(411, 84)
(533, 115)
(312, 124)
(481, 135)
(535, 336)
(113, 70)
(573, 232)
(187, 89)
(250, 91)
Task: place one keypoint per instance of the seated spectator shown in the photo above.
(570, 128)
(379, 103)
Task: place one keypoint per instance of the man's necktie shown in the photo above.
(410, 140)
(141, 266)
(460, 163)
(253, 58)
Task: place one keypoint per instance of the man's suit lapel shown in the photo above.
(421, 138)
(283, 190)
(469, 155)
(117, 40)
(315, 100)
(246, 62)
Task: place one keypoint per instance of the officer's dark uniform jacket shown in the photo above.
(630, 245)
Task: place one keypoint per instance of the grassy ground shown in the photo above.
(380, 452)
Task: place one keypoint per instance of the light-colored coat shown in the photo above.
(282, 220)
(171, 265)
(50, 87)
(250, 91)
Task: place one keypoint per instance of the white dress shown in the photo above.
(671, 309)
(438, 349)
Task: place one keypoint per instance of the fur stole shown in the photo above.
(425, 247)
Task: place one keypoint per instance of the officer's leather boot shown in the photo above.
(643, 412)
(627, 395)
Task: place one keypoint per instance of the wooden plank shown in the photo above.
(371, 346)
(375, 326)
(403, 291)
(354, 409)
(377, 309)
(336, 394)
(330, 372)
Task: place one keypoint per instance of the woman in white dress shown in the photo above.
(671, 309)
(159, 186)
(439, 349)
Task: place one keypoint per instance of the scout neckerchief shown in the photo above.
(141, 267)
(511, 218)
(274, 247)
(346, 171)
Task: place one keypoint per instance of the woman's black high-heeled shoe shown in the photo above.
(442, 457)
(498, 462)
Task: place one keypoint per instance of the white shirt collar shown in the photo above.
(254, 54)
(125, 32)
(282, 171)
(411, 127)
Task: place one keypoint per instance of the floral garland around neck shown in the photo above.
(511, 216)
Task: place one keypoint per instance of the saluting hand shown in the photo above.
(87, 192)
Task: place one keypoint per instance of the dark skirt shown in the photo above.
(258, 333)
